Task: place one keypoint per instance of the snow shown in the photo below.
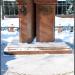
(46, 64)
(60, 37)
(64, 21)
(66, 36)
(9, 36)
(58, 21)
(43, 64)
(8, 21)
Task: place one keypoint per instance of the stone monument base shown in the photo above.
(38, 48)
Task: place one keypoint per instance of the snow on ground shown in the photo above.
(61, 37)
(8, 21)
(58, 21)
(66, 36)
(9, 36)
(64, 21)
(46, 64)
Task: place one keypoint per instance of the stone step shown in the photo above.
(38, 48)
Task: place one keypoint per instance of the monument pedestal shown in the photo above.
(38, 48)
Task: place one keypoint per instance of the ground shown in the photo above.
(43, 64)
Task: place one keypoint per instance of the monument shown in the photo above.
(37, 19)
(44, 14)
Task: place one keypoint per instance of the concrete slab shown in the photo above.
(38, 48)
